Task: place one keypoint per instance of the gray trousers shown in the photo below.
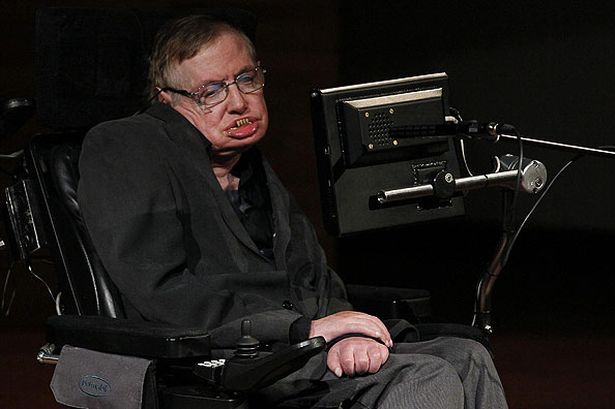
(436, 374)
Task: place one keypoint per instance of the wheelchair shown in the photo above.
(178, 368)
(91, 314)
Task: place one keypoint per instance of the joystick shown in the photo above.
(247, 345)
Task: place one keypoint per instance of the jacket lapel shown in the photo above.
(280, 205)
(196, 148)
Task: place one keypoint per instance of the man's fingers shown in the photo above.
(356, 356)
(366, 324)
(361, 361)
(349, 322)
(347, 361)
(381, 330)
(376, 321)
(378, 355)
(375, 361)
(333, 362)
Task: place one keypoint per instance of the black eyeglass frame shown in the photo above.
(194, 95)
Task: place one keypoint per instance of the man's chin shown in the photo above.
(228, 152)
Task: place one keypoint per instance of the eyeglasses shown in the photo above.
(214, 93)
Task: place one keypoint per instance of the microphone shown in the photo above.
(471, 129)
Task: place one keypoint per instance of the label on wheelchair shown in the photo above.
(86, 379)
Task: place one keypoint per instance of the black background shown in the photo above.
(546, 68)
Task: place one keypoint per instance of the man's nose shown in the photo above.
(236, 99)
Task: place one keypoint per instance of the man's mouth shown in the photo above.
(239, 124)
(242, 129)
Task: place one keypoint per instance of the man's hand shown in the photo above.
(356, 356)
(350, 322)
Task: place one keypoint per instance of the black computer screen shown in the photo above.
(358, 157)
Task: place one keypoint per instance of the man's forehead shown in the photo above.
(223, 58)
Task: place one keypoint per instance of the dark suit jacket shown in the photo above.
(172, 243)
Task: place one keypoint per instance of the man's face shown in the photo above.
(240, 120)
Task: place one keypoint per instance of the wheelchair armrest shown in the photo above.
(413, 305)
(125, 337)
(158, 341)
(237, 376)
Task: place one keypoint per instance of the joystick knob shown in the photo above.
(247, 345)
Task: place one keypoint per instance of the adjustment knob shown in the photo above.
(444, 185)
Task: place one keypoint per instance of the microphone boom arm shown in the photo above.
(533, 177)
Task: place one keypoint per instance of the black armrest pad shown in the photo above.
(126, 337)
(434, 330)
(391, 302)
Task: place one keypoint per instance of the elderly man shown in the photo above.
(195, 229)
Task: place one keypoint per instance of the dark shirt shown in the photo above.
(251, 201)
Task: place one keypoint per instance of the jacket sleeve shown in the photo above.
(129, 204)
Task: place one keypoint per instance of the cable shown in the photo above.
(513, 207)
(462, 147)
(5, 307)
(149, 102)
(58, 305)
(542, 196)
(6, 311)
(29, 267)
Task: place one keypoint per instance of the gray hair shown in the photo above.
(181, 40)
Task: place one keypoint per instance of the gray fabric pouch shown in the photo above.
(90, 379)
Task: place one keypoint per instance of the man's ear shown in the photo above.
(163, 96)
